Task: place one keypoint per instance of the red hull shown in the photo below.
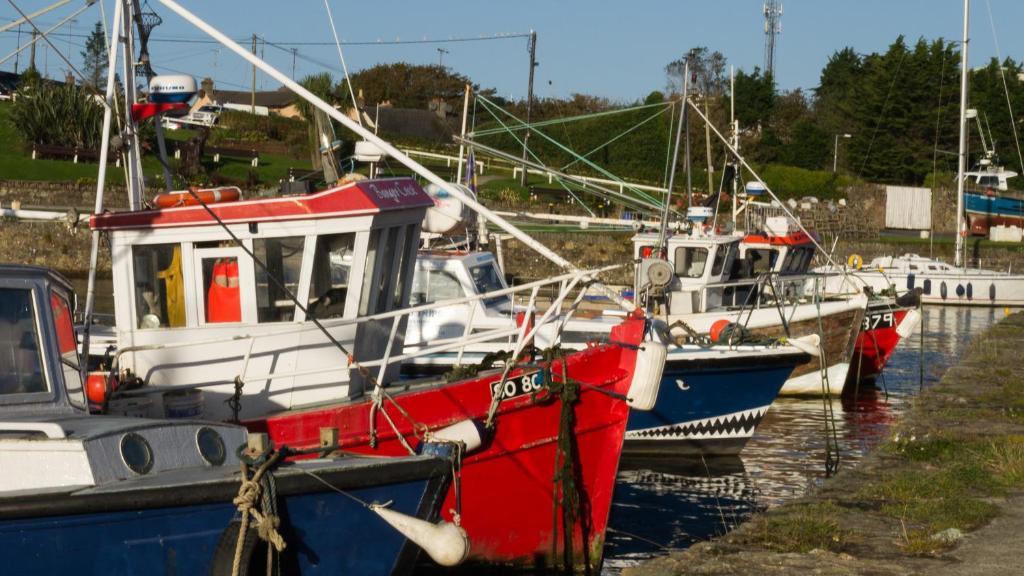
(508, 489)
(876, 342)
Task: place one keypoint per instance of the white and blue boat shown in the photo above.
(112, 495)
(710, 400)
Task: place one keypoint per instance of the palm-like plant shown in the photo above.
(58, 115)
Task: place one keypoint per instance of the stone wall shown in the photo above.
(60, 195)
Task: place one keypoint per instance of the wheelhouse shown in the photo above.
(192, 306)
(39, 366)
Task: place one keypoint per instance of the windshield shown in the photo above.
(487, 279)
(690, 261)
(21, 367)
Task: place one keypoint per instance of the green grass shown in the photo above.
(801, 527)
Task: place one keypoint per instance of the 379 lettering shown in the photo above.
(876, 321)
(519, 385)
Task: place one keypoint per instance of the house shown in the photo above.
(434, 124)
(280, 102)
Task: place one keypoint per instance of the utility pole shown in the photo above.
(295, 52)
(772, 28)
(440, 57)
(32, 58)
(529, 101)
(254, 76)
(17, 56)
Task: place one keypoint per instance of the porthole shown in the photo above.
(136, 453)
(211, 446)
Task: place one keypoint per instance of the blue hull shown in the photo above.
(993, 205)
(325, 532)
(709, 408)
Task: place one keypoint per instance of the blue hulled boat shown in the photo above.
(710, 402)
(90, 494)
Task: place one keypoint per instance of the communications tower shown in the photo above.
(772, 28)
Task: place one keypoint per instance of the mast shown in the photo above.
(962, 156)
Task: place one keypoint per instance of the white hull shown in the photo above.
(810, 384)
(964, 288)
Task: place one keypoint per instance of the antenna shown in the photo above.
(772, 28)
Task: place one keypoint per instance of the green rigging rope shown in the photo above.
(491, 106)
(554, 121)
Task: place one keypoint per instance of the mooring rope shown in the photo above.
(258, 488)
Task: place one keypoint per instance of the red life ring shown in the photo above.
(207, 196)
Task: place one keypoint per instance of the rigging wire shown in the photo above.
(344, 67)
(1006, 89)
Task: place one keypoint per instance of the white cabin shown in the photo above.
(193, 310)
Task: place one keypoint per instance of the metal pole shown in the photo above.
(17, 58)
(835, 155)
(32, 57)
(962, 156)
(735, 125)
(462, 145)
(133, 161)
(387, 148)
(663, 229)
(254, 77)
(38, 13)
(90, 294)
(529, 103)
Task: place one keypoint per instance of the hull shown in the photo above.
(710, 406)
(957, 288)
(508, 498)
(877, 341)
(839, 327)
(179, 529)
(985, 211)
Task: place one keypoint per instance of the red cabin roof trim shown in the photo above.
(793, 239)
(348, 200)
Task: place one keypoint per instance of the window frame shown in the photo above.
(246, 283)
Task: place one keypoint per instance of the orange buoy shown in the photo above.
(717, 328)
(96, 387)
(206, 195)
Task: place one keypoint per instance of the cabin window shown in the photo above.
(691, 261)
(763, 259)
(380, 279)
(67, 345)
(283, 260)
(332, 271)
(429, 286)
(21, 366)
(721, 253)
(487, 279)
(159, 286)
(408, 242)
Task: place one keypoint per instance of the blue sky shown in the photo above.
(613, 49)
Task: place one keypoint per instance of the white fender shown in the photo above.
(445, 543)
(906, 328)
(810, 344)
(650, 365)
(464, 431)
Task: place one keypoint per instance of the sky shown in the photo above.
(613, 49)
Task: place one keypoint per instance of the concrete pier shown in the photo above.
(943, 495)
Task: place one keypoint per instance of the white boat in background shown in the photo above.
(940, 282)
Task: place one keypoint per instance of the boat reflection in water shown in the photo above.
(661, 503)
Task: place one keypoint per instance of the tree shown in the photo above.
(707, 70)
(755, 97)
(95, 57)
(407, 85)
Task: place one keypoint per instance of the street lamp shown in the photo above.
(835, 151)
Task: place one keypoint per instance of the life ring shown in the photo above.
(206, 195)
(855, 261)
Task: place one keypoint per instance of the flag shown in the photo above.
(469, 179)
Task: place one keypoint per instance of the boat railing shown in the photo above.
(524, 332)
(766, 289)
